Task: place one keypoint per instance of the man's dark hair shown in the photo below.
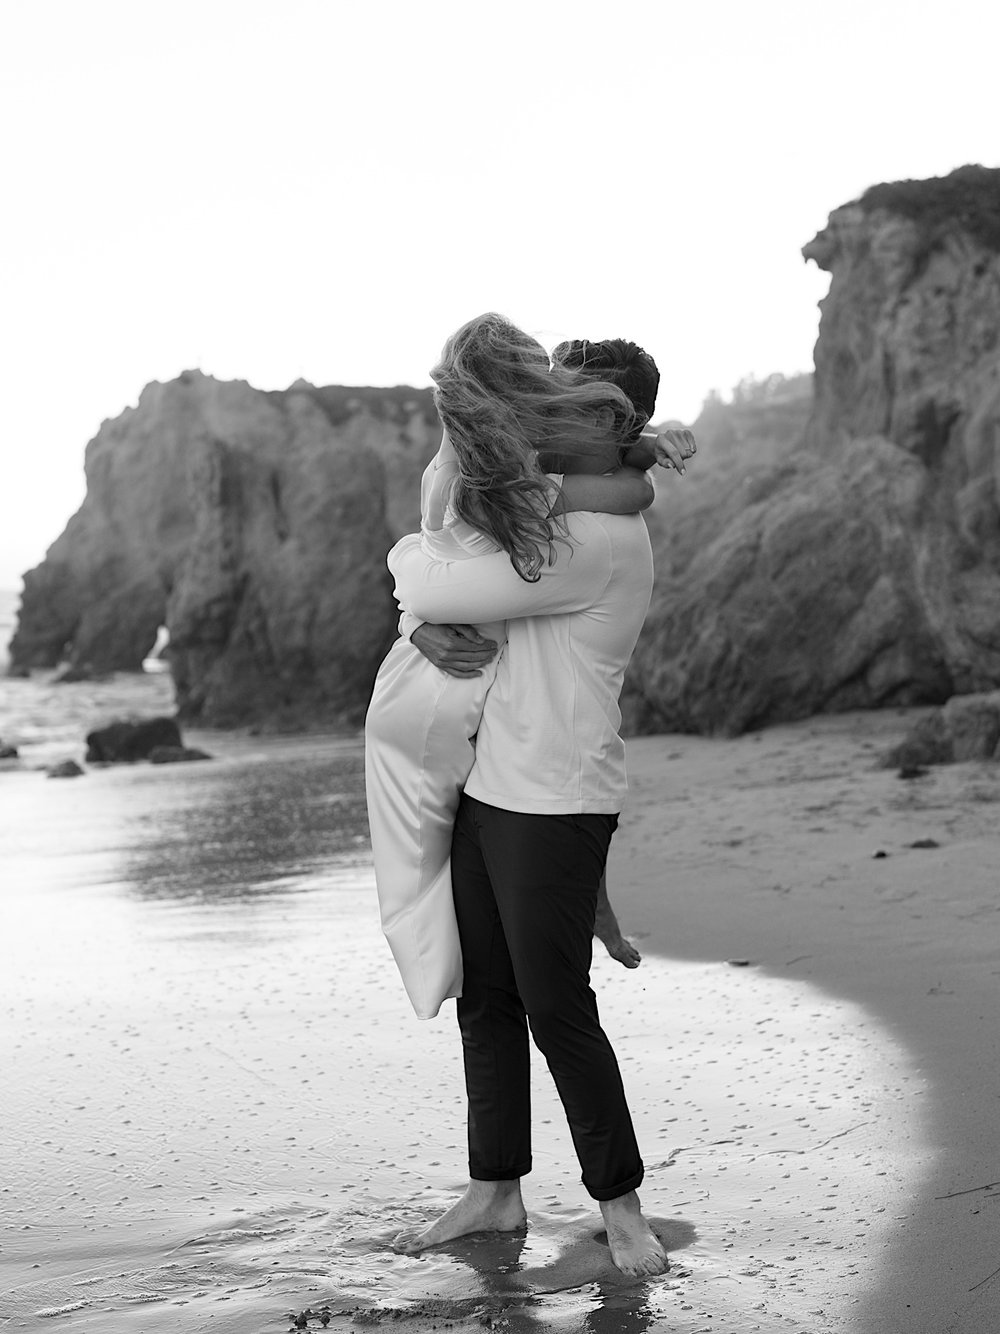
(621, 363)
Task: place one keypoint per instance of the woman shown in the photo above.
(501, 405)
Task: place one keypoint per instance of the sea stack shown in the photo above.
(254, 526)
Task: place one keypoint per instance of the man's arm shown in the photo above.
(488, 588)
(457, 650)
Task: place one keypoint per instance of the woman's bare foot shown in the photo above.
(608, 932)
(635, 1247)
(486, 1206)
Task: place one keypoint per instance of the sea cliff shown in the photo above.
(254, 526)
(857, 564)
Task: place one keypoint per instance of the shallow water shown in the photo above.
(48, 721)
(218, 1109)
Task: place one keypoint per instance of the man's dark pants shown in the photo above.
(525, 895)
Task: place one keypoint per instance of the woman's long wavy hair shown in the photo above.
(502, 404)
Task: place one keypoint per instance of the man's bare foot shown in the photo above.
(608, 932)
(635, 1247)
(486, 1206)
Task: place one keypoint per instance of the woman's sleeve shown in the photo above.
(435, 484)
(488, 588)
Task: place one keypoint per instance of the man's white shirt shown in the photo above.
(549, 740)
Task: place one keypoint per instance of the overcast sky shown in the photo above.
(323, 189)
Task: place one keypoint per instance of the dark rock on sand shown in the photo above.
(967, 728)
(856, 564)
(254, 526)
(124, 742)
(65, 769)
(7, 752)
(176, 754)
(973, 722)
(927, 742)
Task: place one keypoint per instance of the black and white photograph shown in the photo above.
(500, 667)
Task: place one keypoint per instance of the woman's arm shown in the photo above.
(640, 454)
(488, 588)
(624, 491)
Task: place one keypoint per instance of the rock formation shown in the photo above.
(860, 565)
(834, 546)
(125, 742)
(967, 728)
(254, 526)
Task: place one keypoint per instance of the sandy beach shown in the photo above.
(219, 1108)
(766, 847)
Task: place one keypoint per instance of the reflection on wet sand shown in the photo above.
(242, 830)
(555, 1274)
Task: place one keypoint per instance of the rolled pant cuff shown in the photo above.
(506, 1174)
(612, 1193)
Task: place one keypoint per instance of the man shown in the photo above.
(530, 845)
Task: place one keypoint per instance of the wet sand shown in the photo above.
(221, 1108)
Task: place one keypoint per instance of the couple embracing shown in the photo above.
(494, 763)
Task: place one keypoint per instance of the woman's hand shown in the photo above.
(458, 650)
(670, 449)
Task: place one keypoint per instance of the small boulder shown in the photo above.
(928, 742)
(67, 769)
(124, 742)
(7, 752)
(176, 754)
(966, 728)
(973, 721)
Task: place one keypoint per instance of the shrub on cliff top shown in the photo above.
(969, 197)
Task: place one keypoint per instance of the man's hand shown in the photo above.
(459, 650)
(672, 447)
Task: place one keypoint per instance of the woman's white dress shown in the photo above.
(419, 749)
